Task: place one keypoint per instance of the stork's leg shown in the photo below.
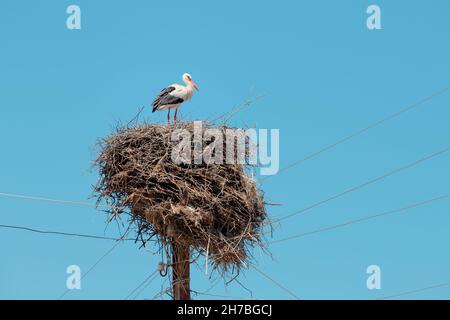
(168, 116)
(175, 116)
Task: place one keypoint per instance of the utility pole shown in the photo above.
(180, 271)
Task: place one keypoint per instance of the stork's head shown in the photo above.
(187, 78)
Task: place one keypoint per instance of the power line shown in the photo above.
(365, 184)
(21, 196)
(140, 285)
(161, 293)
(219, 296)
(61, 233)
(206, 292)
(145, 284)
(96, 263)
(344, 224)
(441, 285)
(237, 109)
(361, 131)
(276, 282)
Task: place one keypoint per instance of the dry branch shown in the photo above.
(214, 208)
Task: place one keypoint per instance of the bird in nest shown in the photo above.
(174, 95)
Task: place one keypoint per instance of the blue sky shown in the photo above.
(324, 76)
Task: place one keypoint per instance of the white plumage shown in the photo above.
(174, 95)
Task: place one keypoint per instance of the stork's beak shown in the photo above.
(195, 86)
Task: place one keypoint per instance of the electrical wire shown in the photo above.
(365, 184)
(361, 131)
(350, 222)
(276, 282)
(441, 285)
(61, 233)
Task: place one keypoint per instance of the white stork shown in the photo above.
(174, 95)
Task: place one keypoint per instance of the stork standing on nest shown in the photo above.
(174, 95)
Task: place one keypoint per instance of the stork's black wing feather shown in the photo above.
(164, 98)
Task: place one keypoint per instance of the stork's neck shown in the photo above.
(189, 86)
(189, 90)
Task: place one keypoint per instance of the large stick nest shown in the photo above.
(214, 208)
